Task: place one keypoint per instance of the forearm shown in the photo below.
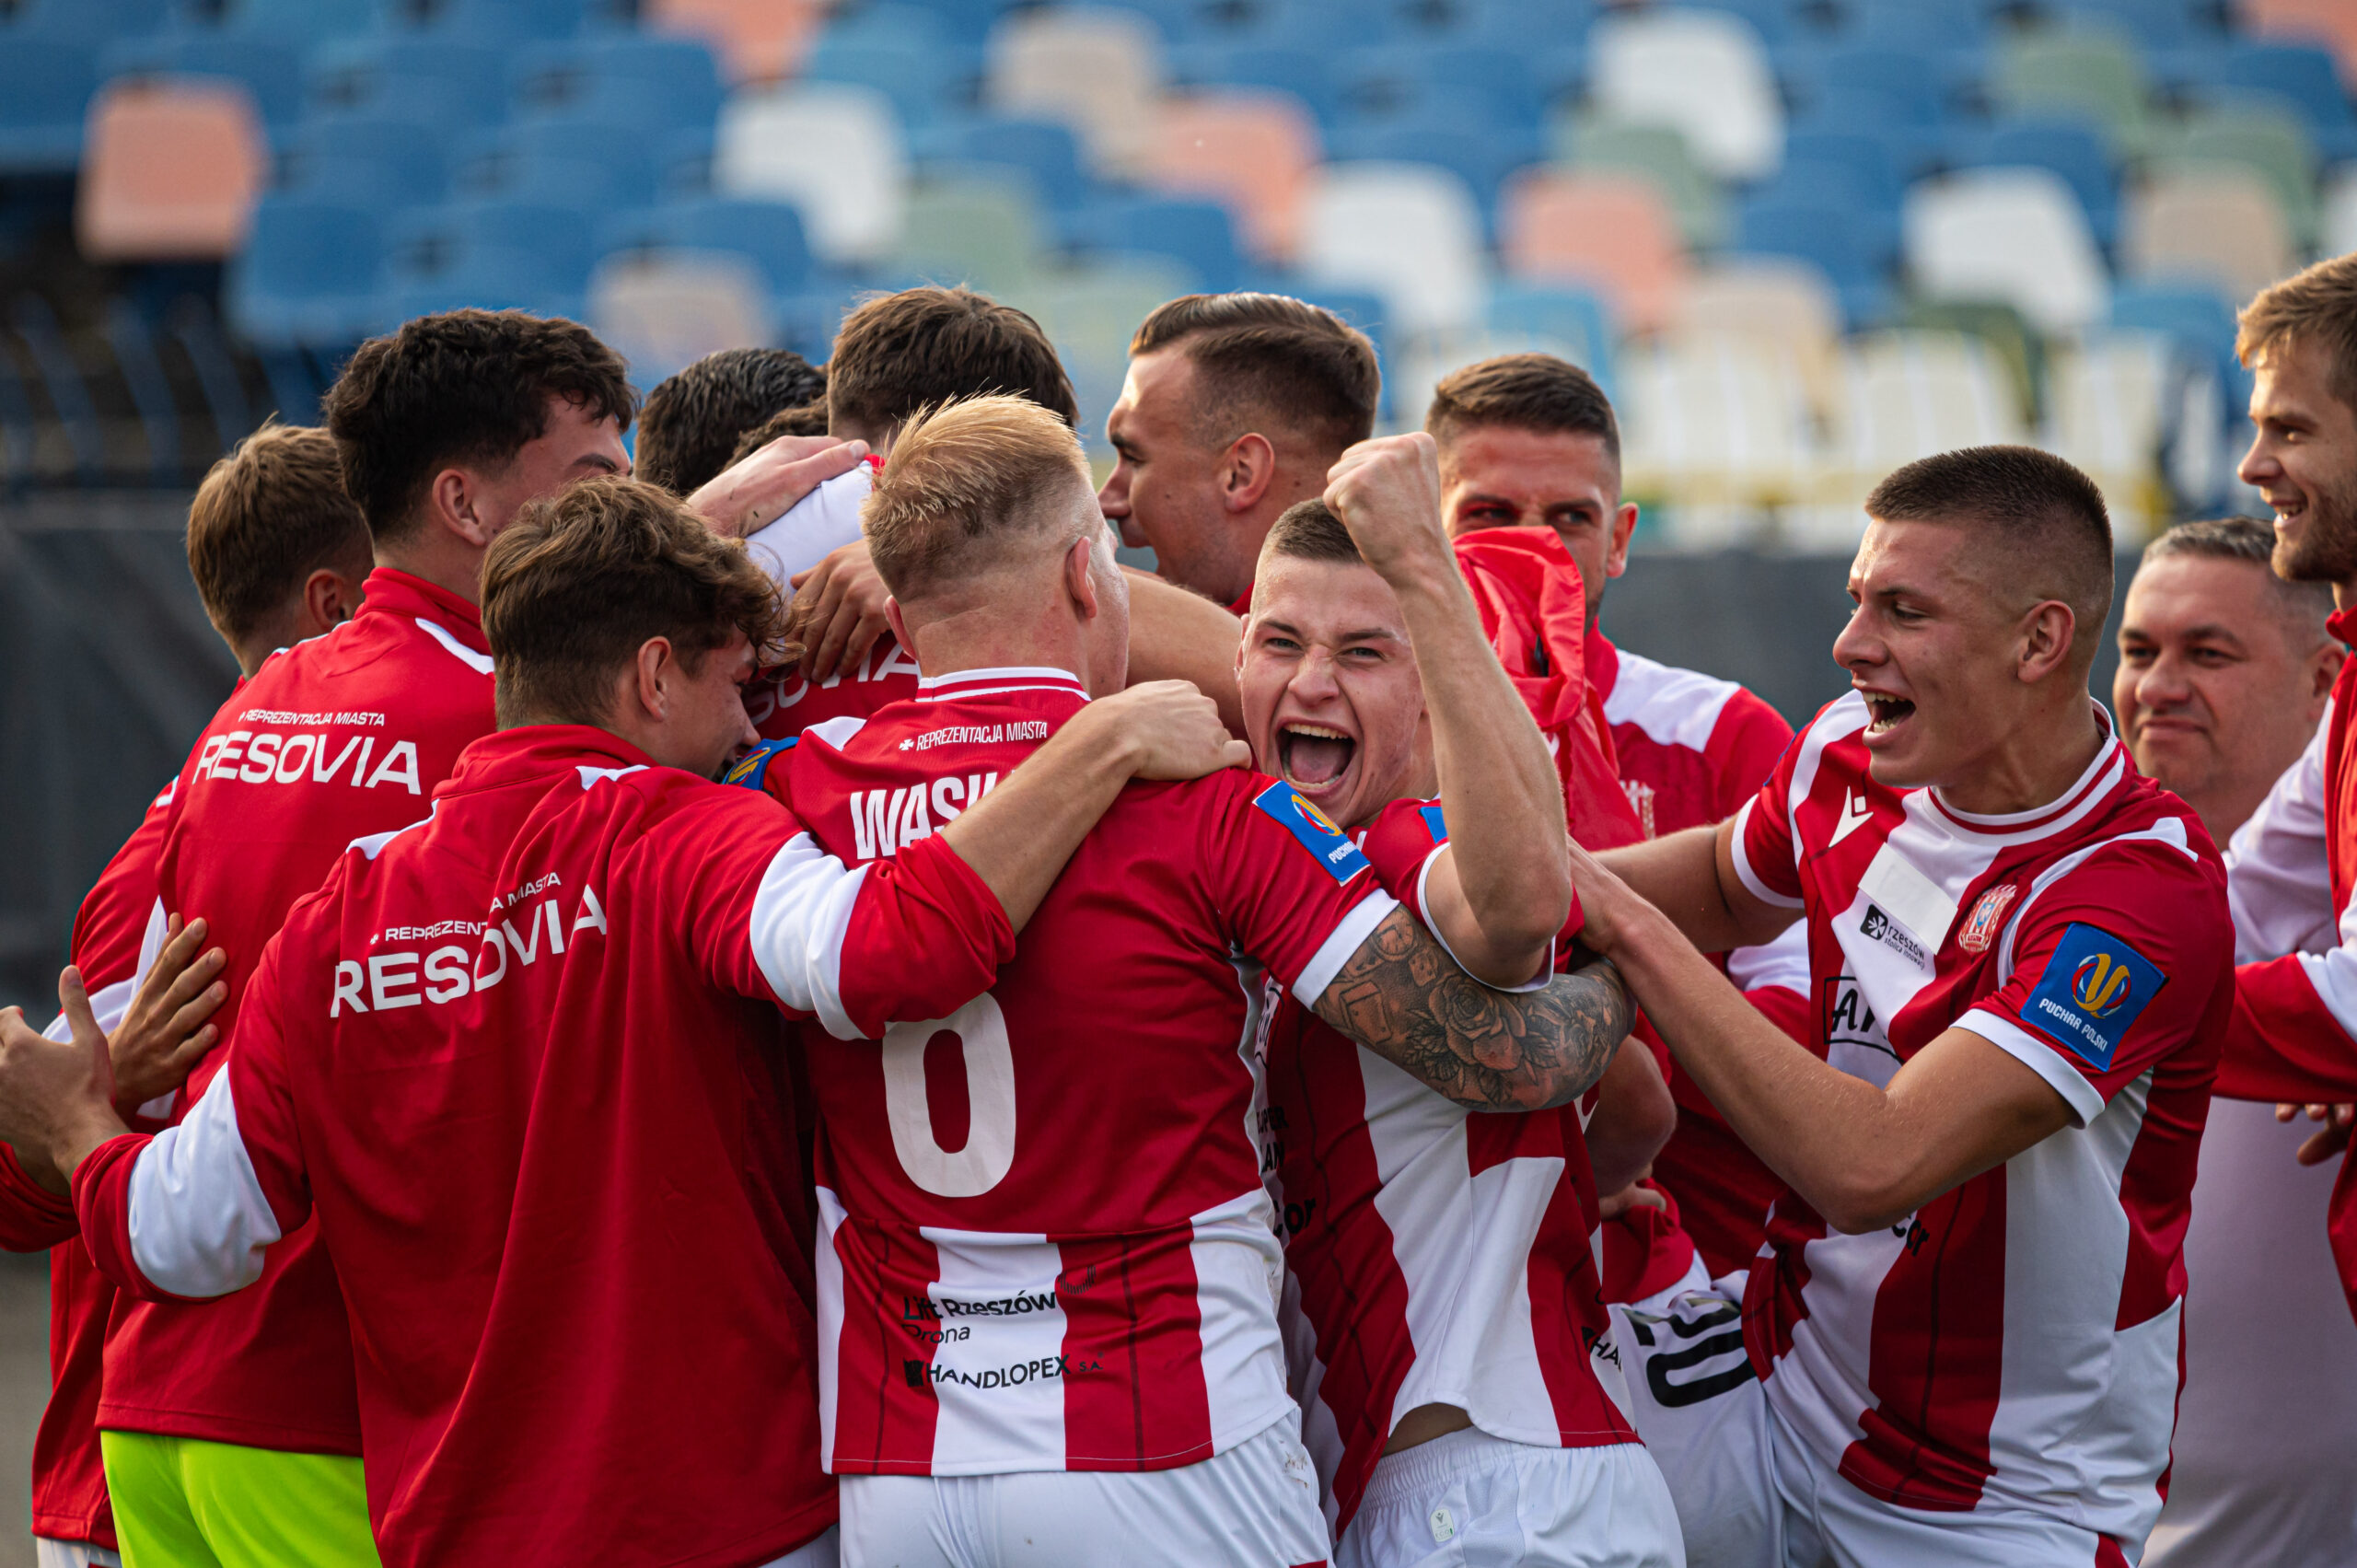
(1178, 635)
(1018, 836)
(1498, 785)
(1679, 876)
(1634, 1117)
(2284, 1042)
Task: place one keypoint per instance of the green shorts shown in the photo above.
(184, 1503)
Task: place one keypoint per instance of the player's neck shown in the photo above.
(985, 639)
(2035, 765)
(449, 565)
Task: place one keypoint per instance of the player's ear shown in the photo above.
(2045, 640)
(650, 672)
(1080, 576)
(1251, 466)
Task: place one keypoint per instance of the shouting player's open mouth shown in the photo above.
(1315, 758)
(1889, 713)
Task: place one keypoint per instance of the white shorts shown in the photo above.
(1750, 1494)
(50, 1554)
(1468, 1500)
(822, 1551)
(1253, 1506)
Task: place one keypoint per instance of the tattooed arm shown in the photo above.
(1403, 997)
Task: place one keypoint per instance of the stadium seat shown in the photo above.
(1409, 233)
(1713, 422)
(2086, 76)
(1323, 29)
(1089, 312)
(972, 231)
(767, 234)
(1099, 71)
(1816, 73)
(2069, 149)
(755, 40)
(1533, 26)
(503, 23)
(440, 82)
(2263, 139)
(832, 149)
(1927, 24)
(87, 22)
(2012, 235)
(270, 71)
(1572, 320)
(2221, 226)
(170, 171)
(310, 274)
(2199, 320)
(2332, 23)
(1871, 161)
(924, 79)
(1657, 154)
(302, 21)
(2299, 73)
(636, 163)
(628, 77)
(1482, 156)
(1606, 232)
(663, 310)
(1045, 150)
(1703, 72)
(1475, 84)
(1251, 151)
(493, 254)
(1223, 65)
(1873, 209)
(1781, 301)
(2105, 399)
(1907, 394)
(1431, 355)
(2337, 218)
(45, 87)
(2155, 24)
(963, 23)
(1197, 234)
(1839, 242)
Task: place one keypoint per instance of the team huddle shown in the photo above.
(782, 1007)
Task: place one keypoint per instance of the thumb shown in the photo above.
(75, 997)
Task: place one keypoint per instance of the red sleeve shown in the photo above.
(1405, 836)
(1744, 750)
(32, 1218)
(1297, 894)
(2284, 1044)
(1765, 857)
(2113, 969)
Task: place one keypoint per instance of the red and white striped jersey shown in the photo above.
(1044, 1240)
(523, 1062)
(339, 736)
(69, 1477)
(2014, 1342)
(1432, 1255)
(782, 702)
(1692, 748)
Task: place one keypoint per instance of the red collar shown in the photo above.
(2342, 626)
(390, 592)
(1242, 608)
(528, 751)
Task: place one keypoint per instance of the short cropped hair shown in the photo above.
(2042, 516)
(268, 515)
(2303, 605)
(581, 579)
(463, 386)
(965, 480)
(2318, 306)
(1269, 361)
(1308, 531)
(1523, 391)
(810, 419)
(693, 420)
(902, 352)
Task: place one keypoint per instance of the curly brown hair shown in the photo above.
(582, 579)
(692, 421)
(810, 419)
(462, 386)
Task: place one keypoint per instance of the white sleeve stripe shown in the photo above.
(801, 916)
(1347, 937)
(1781, 963)
(1745, 873)
(2040, 1058)
(1423, 902)
(199, 1222)
(2333, 976)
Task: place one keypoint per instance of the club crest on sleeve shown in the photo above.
(1434, 823)
(753, 766)
(1981, 929)
(2093, 991)
(1313, 829)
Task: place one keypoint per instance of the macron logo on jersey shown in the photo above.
(1854, 816)
(1314, 828)
(2093, 987)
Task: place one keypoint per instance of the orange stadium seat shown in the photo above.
(2220, 225)
(1609, 232)
(1252, 150)
(757, 41)
(2332, 23)
(170, 169)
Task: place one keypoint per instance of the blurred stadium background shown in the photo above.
(1800, 241)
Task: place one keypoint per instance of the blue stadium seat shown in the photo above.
(1527, 25)
(1929, 25)
(664, 80)
(1837, 239)
(1907, 123)
(1045, 149)
(309, 273)
(1317, 25)
(303, 21)
(1181, 21)
(1572, 317)
(88, 22)
(963, 22)
(380, 162)
(270, 71)
(503, 22)
(923, 82)
(2071, 149)
(1200, 234)
(442, 81)
(1873, 212)
(1300, 72)
(2155, 24)
(1482, 156)
(493, 253)
(1778, 22)
(633, 160)
(45, 87)
(768, 234)
(1869, 158)
(2302, 74)
(2200, 318)
(1470, 83)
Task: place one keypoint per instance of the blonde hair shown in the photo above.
(267, 516)
(2317, 305)
(965, 480)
